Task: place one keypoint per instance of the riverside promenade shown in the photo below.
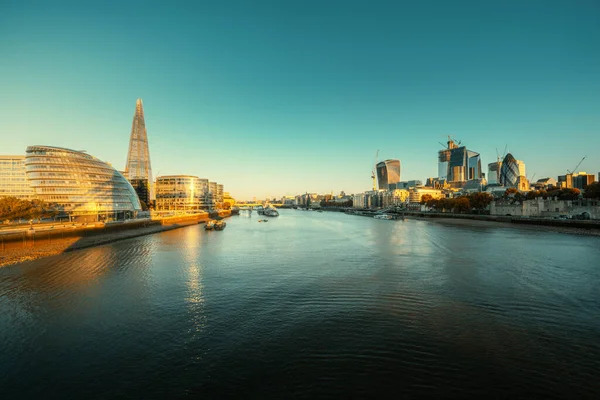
(29, 244)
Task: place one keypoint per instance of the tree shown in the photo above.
(569, 194)
(592, 191)
(510, 191)
(12, 208)
(480, 201)
(462, 204)
(425, 198)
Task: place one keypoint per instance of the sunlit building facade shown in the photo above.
(13, 178)
(388, 173)
(219, 193)
(458, 164)
(138, 168)
(80, 184)
(180, 193)
(211, 197)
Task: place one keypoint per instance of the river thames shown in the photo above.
(308, 305)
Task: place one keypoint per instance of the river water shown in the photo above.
(308, 305)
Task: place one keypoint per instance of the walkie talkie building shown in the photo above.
(388, 173)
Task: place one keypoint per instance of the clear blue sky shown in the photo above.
(281, 97)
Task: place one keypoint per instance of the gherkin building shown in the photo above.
(509, 172)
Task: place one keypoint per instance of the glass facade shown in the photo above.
(457, 164)
(13, 179)
(388, 173)
(78, 182)
(180, 193)
(509, 172)
(219, 193)
(493, 177)
(138, 165)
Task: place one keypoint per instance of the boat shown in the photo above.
(210, 225)
(263, 220)
(270, 211)
(383, 216)
(220, 225)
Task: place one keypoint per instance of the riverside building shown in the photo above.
(180, 193)
(13, 178)
(80, 184)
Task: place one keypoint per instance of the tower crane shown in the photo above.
(373, 174)
(577, 166)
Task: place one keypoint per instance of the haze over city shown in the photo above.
(277, 98)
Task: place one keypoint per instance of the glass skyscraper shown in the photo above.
(79, 183)
(388, 173)
(458, 164)
(509, 172)
(138, 168)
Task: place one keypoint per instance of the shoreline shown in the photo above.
(471, 222)
(20, 254)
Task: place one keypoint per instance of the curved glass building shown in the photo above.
(180, 193)
(80, 184)
(388, 173)
(509, 171)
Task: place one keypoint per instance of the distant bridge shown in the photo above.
(255, 205)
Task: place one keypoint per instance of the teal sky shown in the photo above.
(282, 97)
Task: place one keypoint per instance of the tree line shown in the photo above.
(474, 202)
(12, 208)
(479, 202)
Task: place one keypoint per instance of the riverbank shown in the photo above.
(65, 240)
(559, 226)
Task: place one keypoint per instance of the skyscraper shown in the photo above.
(510, 171)
(138, 169)
(458, 164)
(388, 173)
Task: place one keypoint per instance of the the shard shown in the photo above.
(138, 169)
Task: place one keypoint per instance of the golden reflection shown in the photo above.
(195, 298)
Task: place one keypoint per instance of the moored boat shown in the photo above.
(270, 211)
(220, 225)
(210, 225)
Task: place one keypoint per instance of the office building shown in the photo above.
(13, 179)
(493, 176)
(219, 193)
(180, 193)
(457, 164)
(138, 168)
(388, 173)
(80, 184)
(511, 170)
(577, 180)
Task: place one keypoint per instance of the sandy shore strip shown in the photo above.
(59, 246)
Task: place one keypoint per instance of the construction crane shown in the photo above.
(577, 166)
(373, 174)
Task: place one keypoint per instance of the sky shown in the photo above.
(276, 98)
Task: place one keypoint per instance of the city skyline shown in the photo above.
(274, 108)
